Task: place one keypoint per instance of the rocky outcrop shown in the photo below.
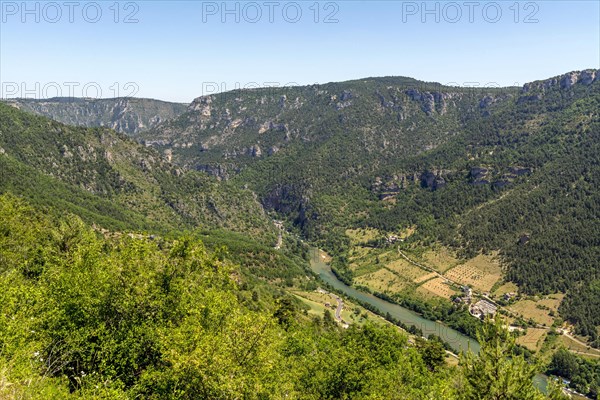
(273, 150)
(566, 81)
(490, 100)
(498, 179)
(588, 76)
(389, 187)
(431, 101)
(344, 100)
(436, 179)
(432, 180)
(168, 153)
(479, 176)
(426, 99)
(524, 239)
(290, 200)
(346, 95)
(221, 171)
(272, 126)
(520, 171)
(255, 151)
(202, 105)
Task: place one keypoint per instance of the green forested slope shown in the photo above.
(57, 164)
(91, 312)
(554, 205)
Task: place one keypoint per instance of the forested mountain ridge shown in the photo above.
(390, 118)
(118, 185)
(508, 169)
(387, 117)
(124, 115)
(527, 184)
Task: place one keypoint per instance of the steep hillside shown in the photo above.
(525, 181)
(95, 171)
(304, 148)
(124, 115)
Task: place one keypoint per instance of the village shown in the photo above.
(479, 309)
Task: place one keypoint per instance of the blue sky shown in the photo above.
(180, 50)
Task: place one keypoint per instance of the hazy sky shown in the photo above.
(180, 50)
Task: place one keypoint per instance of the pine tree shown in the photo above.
(496, 373)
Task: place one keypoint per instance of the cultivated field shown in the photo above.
(579, 348)
(424, 278)
(441, 259)
(530, 309)
(360, 258)
(406, 269)
(358, 252)
(552, 301)
(364, 268)
(436, 287)
(366, 260)
(533, 339)
(481, 272)
(508, 287)
(382, 281)
(358, 236)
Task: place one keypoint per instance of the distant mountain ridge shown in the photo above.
(236, 128)
(124, 115)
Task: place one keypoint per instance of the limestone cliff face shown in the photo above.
(565, 81)
(387, 187)
(125, 115)
(433, 101)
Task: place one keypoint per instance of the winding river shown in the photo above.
(455, 339)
